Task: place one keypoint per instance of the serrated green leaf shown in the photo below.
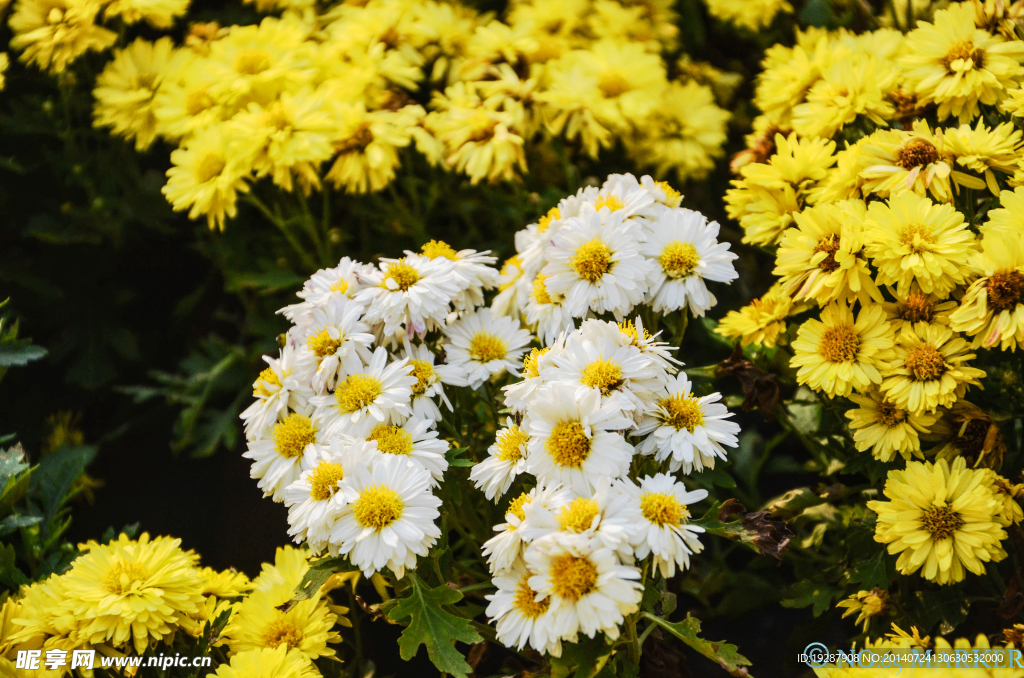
(12, 523)
(872, 572)
(428, 623)
(817, 595)
(726, 655)
(19, 353)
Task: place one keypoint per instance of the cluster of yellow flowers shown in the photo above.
(348, 88)
(129, 596)
(905, 245)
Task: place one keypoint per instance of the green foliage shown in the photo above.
(688, 631)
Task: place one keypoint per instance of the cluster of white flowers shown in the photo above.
(610, 249)
(343, 428)
(566, 561)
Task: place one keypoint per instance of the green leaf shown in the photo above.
(872, 572)
(10, 576)
(428, 623)
(588, 657)
(812, 593)
(19, 353)
(317, 575)
(726, 655)
(12, 523)
(58, 471)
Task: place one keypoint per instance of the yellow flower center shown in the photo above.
(524, 599)
(323, 482)
(55, 16)
(613, 84)
(253, 62)
(377, 507)
(267, 378)
(292, 435)
(321, 344)
(830, 245)
(545, 221)
(679, 259)
(971, 440)
(531, 363)
(485, 347)
(540, 290)
(612, 202)
(1004, 290)
(916, 308)
(281, 631)
(889, 415)
(916, 153)
(340, 285)
(356, 392)
(438, 248)
(392, 439)
(209, 167)
(572, 577)
(840, 344)
(424, 373)
(568, 445)
(605, 375)
(511, 443)
(578, 515)
(404, 275)
(925, 363)
(197, 101)
(874, 604)
(515, 507)
(124, 577)
(963, 50)
(672, 196)
(682, 411)
(628, 328)
(917, 237)
(509, 269)
(360, 139)
(592, 260)
(662, 508)
(941, 521)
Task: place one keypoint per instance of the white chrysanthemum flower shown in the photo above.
(519, 395)
(327, 283)
(574, 441)
(624, 195)
(513, 289)
(661, 191)
(314, 501)
(335, 343)
(380, 394)
(482, 346)
(474, 272)
(280, 459)
(687, 430)
(410, 294)
(388, 518)
(632, 332)
(415, 441)
(547, 313)
(519, 617)
(506, 547)
(664, 507)
(589, 590)
(685, 251)
(430, 381)
(281, 388)
(506, 459)
(595, 263)
(610, 516)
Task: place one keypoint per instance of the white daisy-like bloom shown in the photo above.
(610, 516)
(281, 388)
(415, 441)
(664, 507)
(535, 363)
(279, 459)
(684, 250)
(513, 289)
(622, 193)
(547, 313)
(686, 430)
(474, 272)
(482, 346)
(413, 295)
(506, 459)
(588, 589)
(314, 499)
(595, 263)
(661, 191)
(430, 380)
(328, 283)
(519, 617)
(388, 517)
(380, 394)
(335, 343)
(505, 548)
(574, 440)
(632, 332)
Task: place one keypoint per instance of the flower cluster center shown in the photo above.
(485, 347)
(840, 344)
(592, 260)
(524, 599)
(356, 392)
(322, 344)
(568, 445)
(515, 507)
(573, 577)
(605, 375)
(554, 214)
(511, 443)
(578, 515)
(830, 245)
(377, 507)
(941, 521)
(890, 415)
(267, 378)
(925, 363)
(282, 631)
(392, 439)
(1004, 290)
(323, 482)
(916, 153)
(679, 259)
(682, 411)
(438, 248)
(662, 508)
(401, 275)
(292, 435)
(125, 577)
(916, 308)
(424, 373)
(963, 50)
(540, 290)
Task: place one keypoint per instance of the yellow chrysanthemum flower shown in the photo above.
(157, 13)
(836, 354)
(1008, 217)
(184, 102)
(891, 162)
(225, 584)
(751, 14)
(842, 182)
(767, 196)
(759, 322)
(308, 626)
(992, 310)
(206, 177)
(1009, 496)
(42, 618)
(956, 65)
(53, 33)
(983, 150)
(911, 239)
(886, 429)
(788, 73)
(942, 520)
(929, 370)
(279, 662)
(851, 87)
(821, 258)
(866, 605)
(965, 430)
(367, 146)
(126, 88)
(132, 591)
(917, 307)
(289, 567)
